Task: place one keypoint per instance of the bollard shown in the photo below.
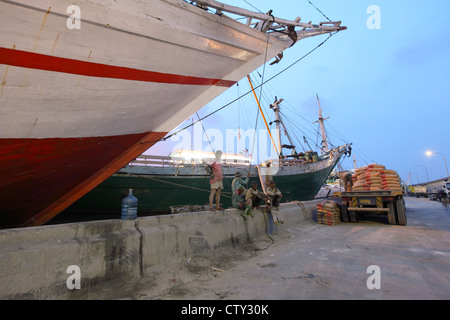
(129, 206)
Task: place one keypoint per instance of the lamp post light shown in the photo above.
(419, 165)
(417, 177)
(430, 153)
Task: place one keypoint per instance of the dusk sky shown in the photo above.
(385, 88)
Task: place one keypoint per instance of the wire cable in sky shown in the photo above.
(253, 6)
(245, 94)
(319, 10)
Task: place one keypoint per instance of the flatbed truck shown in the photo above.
(420, 191)
(358, 203)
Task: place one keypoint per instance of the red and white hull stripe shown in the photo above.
(75, 105)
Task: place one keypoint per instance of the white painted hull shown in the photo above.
(168, 37)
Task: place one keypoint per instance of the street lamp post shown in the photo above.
(429, 153)
(417, 177)
(419, 165)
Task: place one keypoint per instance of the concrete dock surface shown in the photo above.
(354, 261)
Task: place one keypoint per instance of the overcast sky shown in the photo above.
(385, 88)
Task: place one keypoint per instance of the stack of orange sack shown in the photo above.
(390, 180)
(374, 177)
(329, 213)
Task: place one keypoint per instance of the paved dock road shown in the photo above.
(365, 260)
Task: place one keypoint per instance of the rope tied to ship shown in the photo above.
(184, 186)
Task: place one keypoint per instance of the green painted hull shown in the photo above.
(156, 193)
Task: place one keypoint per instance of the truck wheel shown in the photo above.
(353, 216)
(344, 213)
(391, 213)
(401, 214)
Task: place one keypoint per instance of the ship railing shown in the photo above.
(290, 162)
(167, 161)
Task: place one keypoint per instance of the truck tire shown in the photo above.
(353, 216)
(344, 213)
(401, 212)
(391, 214)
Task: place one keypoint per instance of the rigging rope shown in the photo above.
(319, 10)
(257, 101)
(204, 131)
(253, 6)
(245, 94)
(184, 186)
(264, 118)
(339, 136)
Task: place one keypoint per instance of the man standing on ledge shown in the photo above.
(215, 170)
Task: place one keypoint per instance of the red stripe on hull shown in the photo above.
(41, 177)
(39, 61)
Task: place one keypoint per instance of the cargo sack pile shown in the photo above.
(329, 213)
(374, 177)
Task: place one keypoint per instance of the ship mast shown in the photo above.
(325, 147)
(276, 108)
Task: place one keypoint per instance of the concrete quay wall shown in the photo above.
(34, 261)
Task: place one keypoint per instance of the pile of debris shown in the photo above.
(375, 177)
(329, 213)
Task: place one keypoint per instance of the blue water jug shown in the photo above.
(129, 206)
